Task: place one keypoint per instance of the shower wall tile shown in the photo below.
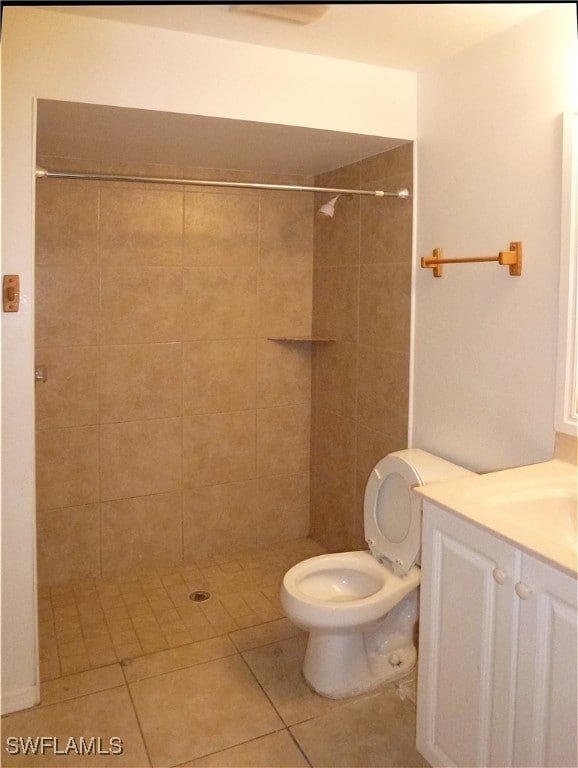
(282, 508)
(67, 223)
(218, 448)
(335, 380)
(283, 439)
(67, 300)
(69, 396)
(286, 232)
(384, 390)
(140, 381)
(69, 544)
(153, 304)
(283, 373)
(140, 305)
(67, 467)
(141, 532)
(337, 240)
(285, 299)
(139, 458)
(384, 305)
(221, 229)
(219, 375)
(219, 303)
(336, 302)
(219, 518)
(361, 297)
(141, 226)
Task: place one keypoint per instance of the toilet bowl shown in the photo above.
(360, 608)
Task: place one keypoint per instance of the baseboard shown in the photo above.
(23, 698)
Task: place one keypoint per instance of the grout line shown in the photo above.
(139, 724)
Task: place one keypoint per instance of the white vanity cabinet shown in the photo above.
(497, 651)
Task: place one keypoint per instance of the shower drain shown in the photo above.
(199, 596)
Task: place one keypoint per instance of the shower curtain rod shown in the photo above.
(42, 173)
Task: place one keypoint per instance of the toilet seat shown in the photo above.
(392, 514)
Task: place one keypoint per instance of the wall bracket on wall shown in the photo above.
(511, 259)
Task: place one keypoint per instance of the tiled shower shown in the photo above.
(173, 424)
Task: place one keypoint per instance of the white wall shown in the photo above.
(56, 56)
(489, 172)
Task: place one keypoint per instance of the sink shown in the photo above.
(549, 512)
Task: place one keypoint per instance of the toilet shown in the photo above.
(360, 608)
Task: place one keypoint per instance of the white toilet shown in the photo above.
(360, 608)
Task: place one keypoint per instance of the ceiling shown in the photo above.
(409, 36)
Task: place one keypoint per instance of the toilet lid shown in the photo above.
(393, 514)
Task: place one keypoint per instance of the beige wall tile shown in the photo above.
(141, 226)
(286, 228)
(282, 508)
(285, 299)
(69, 396)
(386, 229)
(67, 467)
(69, 544)
(140, 304)
(283, 373)
(218, 448)
(219, 303)
(333, 457)
(221, 229)
(385, 305)
(66, 305)
(141, 531)
(384, 390)
(140, 381)
(66, 222)
(336, 302)
(139, 458)
(337, 239)
(335, 382)
(283, 436)
(219, 518)
(219, 375)
(385, 166)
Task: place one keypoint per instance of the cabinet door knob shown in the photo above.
(500, 576)
(522, 591)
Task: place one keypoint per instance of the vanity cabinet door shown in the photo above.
(468, 636)
(546, 716)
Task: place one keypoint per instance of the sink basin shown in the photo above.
(550, 512)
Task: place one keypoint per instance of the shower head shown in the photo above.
(327, 210)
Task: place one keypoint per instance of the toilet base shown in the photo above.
(338, 666)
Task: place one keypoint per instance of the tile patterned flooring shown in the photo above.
(197, 684)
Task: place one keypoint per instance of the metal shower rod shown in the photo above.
(43, 173)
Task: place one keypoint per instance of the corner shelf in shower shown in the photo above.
(311, 339)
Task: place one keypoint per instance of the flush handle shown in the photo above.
(40, 374)
(11, 293)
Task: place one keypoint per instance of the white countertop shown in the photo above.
(533, 506)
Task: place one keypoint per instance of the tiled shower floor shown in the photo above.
(216, 683)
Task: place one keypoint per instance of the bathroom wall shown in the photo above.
(169, 426)
(362, 300)
(490, 171)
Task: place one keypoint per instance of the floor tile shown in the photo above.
(373, 730)
(264, 634)
(277, 750)
(278, 668)
(81, 684)
(178, 658)
(201, 709)
(101, 715)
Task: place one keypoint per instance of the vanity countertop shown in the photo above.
(532, 506)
